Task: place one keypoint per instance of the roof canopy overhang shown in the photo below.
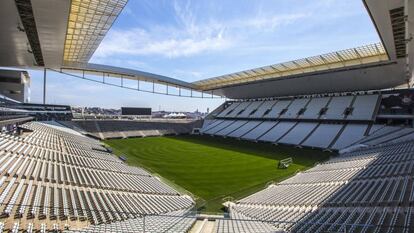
(65, 38)
(48, 33)
(377, 66)
(89, 21)
(340, 59)
(374, 76)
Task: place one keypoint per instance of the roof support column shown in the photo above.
(407, 44)
(44, 85)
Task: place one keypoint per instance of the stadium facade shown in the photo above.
(357, 101)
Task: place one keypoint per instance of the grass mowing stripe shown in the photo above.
(212, 167)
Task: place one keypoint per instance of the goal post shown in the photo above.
(285, 163)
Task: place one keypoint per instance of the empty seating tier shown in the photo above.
(330, 122)
(54, 179)
(106, 129)
(351, 108)
(368, 190)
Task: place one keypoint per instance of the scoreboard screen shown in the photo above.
(136, 111)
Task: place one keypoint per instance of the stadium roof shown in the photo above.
(89, 21)
(370, 67)
(66, 37)
(49, 32)
(340, 59)
(34, 36)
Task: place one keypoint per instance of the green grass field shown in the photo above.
(213, 168)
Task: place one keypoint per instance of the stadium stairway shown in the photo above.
(98, 129)
(203, 226)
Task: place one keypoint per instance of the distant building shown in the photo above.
(15, 84)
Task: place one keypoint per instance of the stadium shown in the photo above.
(319, 144)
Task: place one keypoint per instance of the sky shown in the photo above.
(193, 40)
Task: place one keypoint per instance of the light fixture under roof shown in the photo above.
(89, 21)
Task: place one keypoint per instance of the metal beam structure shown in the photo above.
(26, 15)
(88, 75)
(125, 73)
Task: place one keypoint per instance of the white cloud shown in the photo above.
(189, 37)
(272, 23)
(187, 75)
(122, 62)
(140, 42)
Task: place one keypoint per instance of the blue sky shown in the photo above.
(193, 40)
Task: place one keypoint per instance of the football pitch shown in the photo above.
(214, 168)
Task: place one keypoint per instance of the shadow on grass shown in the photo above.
(301, 156)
